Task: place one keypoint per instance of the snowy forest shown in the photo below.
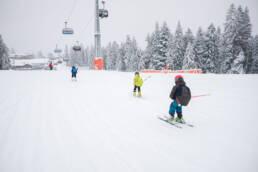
(4, 60)
(231, 49)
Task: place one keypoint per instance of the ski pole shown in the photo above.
(147, 78)
(203, 95)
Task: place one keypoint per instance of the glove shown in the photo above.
(179, 105)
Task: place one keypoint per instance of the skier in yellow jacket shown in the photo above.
(137, 84)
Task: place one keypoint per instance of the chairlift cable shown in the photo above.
(86, 26)
(72, 10)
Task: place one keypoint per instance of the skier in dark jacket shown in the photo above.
(176, 95)
(74, 72)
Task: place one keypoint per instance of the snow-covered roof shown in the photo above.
(16, 62)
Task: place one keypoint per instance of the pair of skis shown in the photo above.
(174, 123)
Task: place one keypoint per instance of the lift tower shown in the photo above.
(98, 58)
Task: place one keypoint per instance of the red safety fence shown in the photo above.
(192, 71)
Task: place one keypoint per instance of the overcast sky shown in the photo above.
(34, 25)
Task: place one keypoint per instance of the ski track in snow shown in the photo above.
(49, 123)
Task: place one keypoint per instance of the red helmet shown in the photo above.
(179, 77)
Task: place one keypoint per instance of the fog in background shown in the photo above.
(30, 26)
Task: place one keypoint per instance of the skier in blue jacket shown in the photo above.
(74, 72)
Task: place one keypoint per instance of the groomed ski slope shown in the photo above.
(50, 124)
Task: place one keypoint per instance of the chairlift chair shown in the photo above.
(103, 13)
(57, 50)
(76, 48)
(67, 31)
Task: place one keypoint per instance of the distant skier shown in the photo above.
(137, 84)
(165, 69)
(74, 72)
(181, 95)
(50, 65)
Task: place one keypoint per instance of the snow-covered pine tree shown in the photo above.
(108, 59)
(219, 61)
(121, 61)
(137, 55)
(200, 50)
(132, 54)
(229, 50)
(4, 59)
(156, 47)
(91, 56)
(112, 55)
(140, 54)
(212, 50)
(86, 56)
(245, 32)
(164, 41)
(177, 51)
(145, 62)
(236, 37)
(238, 66)
(254, 67)
(155, 54)
(128, 52)
(83, 60)
(188, 62)
(104, 58)
(142, 65)
(188, 38)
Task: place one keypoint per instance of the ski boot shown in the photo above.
(180, 120)
(171, 119)
(139, 94)
(134, 93)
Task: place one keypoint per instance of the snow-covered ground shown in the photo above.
(50, 124)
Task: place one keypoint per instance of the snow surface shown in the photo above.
(49, 123)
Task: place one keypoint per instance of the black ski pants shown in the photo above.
(73, 74)
(136, 87)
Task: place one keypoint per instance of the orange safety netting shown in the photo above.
(193, 71)
(98, 63)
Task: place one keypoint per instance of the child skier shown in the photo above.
(74, 72)
(137, 84)
(181, 95)
(50, 65)
(165, 69)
